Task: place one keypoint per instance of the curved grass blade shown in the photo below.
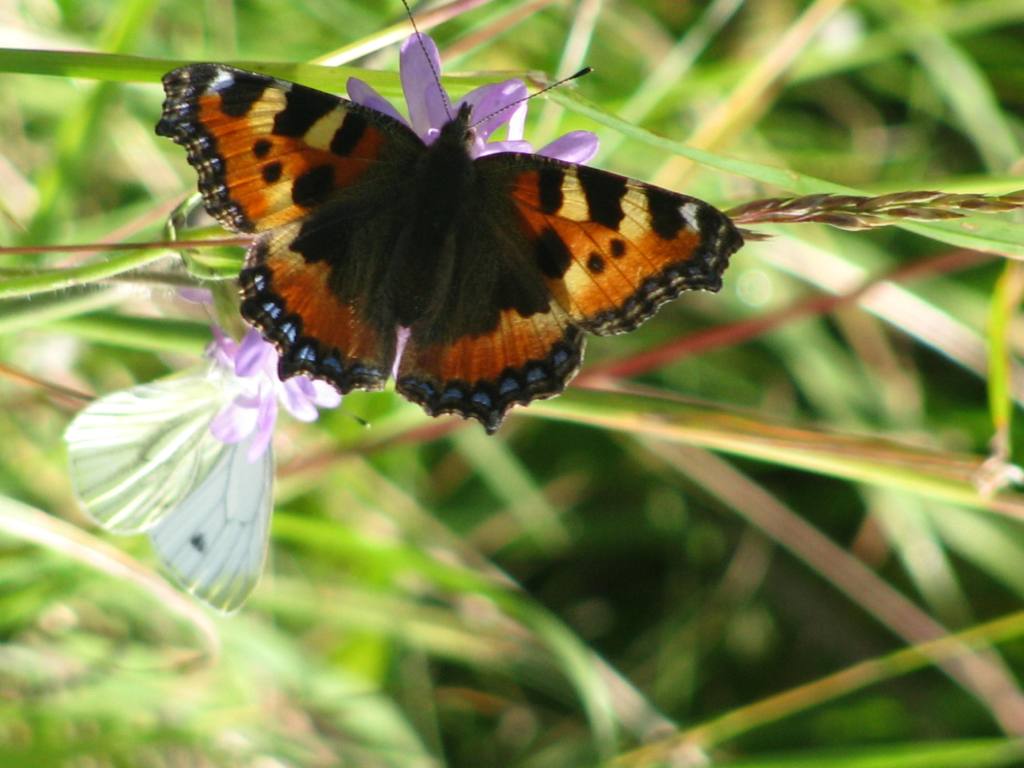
(945, 476)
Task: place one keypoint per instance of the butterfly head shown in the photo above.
(458, 130)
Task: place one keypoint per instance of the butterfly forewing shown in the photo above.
(133, 453)
(268, 151)
(611, 249)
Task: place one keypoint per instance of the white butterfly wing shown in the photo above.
(134, 454)
(215, 541)
(144, 459)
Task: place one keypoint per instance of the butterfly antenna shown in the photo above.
(430, 61)
(556, 84)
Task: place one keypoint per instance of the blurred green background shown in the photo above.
(592, 586)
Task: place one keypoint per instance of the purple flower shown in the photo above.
(429, 110)
(249, 373)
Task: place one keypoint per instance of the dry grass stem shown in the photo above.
(858, 212)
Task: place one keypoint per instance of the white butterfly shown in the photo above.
(144, 459)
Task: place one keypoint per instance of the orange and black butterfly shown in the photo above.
(497, 265)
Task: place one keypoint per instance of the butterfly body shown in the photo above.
(496, 265)
(439, 205)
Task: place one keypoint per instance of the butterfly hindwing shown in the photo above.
(318, 329)
(268, 151)
(215, 541)
(486, 334)
(611, 249)
(482, 375)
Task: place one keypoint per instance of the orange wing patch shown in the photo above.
(277, 179)
(613, 250)
(267, 151)
(290, 301)
(482, 376)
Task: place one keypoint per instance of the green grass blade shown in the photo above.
(981, 753)
(945, 476)
(40, 281)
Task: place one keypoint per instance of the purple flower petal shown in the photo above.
(492, 104)
(196, 295)
(233, 424)
(574, 147)
(364, 94)
(419, 69)
(250, 401)
(265, 420)
(325, 395)
(494, 147)
(222, 349)
(250, 377)
(258, 445)
(254, 355)
(297, 400)
(517, 122)
(305, 385)
(268, 408)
